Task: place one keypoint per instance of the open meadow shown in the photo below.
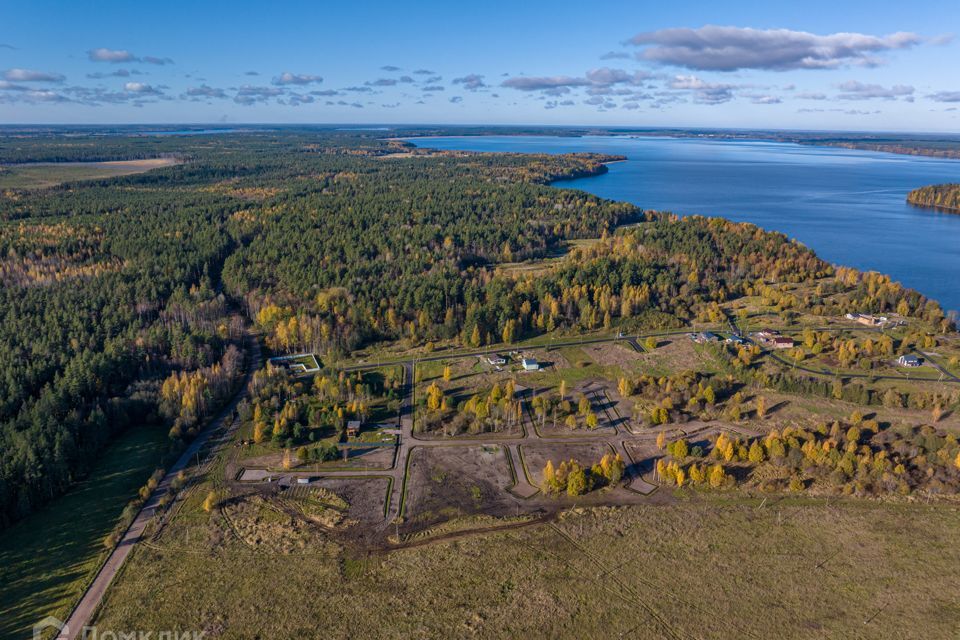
(41, 175)
(698, 568)
(47, 559)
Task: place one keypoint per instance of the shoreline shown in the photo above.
(849, 145)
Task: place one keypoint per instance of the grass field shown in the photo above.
(695, 569)
(47, 559)
(38, 176)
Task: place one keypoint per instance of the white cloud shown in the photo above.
(716, 48)
(141, 88)
(704, 92)
(204, 91)
(945, 96)
(471, 82)
(854, 90)
(287, 78)
(116, 56)
(110, 55)
(29, 75)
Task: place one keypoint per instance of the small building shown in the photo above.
(781, 342)
(736, 339)
(353, 428)
(909, 361)
(530, 364)
(304, 480)
(868, 319)
(704, 337)
(496, 360)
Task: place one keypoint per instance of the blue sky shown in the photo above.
(879, 65)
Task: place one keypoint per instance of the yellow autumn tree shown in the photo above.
(210, 502)
(761, 407)
(717, 476)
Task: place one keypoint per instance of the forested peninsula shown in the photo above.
(939, 196)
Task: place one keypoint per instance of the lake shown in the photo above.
(846, 205)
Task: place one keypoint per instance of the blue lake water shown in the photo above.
(848, 206)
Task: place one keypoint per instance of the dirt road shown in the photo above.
(83, 612)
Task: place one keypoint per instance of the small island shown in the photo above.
(939, 196)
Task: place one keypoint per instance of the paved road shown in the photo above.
(83, 612)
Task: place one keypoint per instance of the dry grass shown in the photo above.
(695, 570)
(38, 176)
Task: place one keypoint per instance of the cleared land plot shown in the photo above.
(38, 176)
(449, 482)
(366, 497)
(372, 458)
(700, 569)
(600, 405)
(46, 559)
(535, 456)
(673, 355)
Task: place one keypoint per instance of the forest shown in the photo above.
(125, 299)
(938, 196)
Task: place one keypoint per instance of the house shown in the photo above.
(353, 428)
(781, 342)
(705, 336)
(530, 364)
(867, 319)
(496, 360)
(736, 339)
(909, 361)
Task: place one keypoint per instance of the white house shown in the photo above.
(530, 364)
(909, 361)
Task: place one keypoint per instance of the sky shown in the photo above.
(838, 65)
